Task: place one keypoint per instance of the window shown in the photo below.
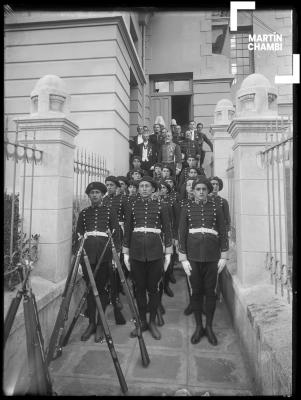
(242, 61)
(162, 86)
(181, 86)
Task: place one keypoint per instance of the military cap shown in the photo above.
(205, 181)
(113, 179)
(96, 185)
(150, 180)
(123, 179)
(167, 185)
(134, 183)
(220, 182)
(173, 122)
(136, 158)
(171, 178)
(158, 165)
(136, 170)
(168, 167)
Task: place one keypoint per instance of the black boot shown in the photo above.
(152, 326)
(172, 278)
(88, 332)
(188, 310)
(119, 318)
(159, 317)
(144, 328)
(199, 330)
(210, 335)
(168, 291)
(99, 335)
(162, 309)
(210, 309)
(117, 303)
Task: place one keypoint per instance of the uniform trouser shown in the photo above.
(147, 276)
(101, 280)
(203, 281)
(169, 270)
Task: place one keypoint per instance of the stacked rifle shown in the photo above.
(58, 340)
(39, 378)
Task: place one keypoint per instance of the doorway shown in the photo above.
(181, 110)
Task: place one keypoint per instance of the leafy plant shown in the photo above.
(22, 249)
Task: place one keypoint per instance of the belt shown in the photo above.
(95, 233)
(153, 230)
(203, 230)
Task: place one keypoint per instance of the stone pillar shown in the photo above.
(52, 178)
(255, 113)
(222, 141)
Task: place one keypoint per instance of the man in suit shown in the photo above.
(201, 137)
(137, 139)
(156, 138)
(147, 151)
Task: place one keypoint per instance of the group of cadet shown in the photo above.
(164, 210)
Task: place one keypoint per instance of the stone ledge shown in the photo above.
(263, 321)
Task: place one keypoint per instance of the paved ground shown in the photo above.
(86, 368)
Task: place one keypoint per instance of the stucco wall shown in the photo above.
(94, 62)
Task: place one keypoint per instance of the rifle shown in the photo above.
(55, 347)
(13, 308)
(39, 378)
(105, 326)
(83, 300)
(130, 300)
(40, 382)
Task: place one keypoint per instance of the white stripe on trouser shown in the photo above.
(189, 284)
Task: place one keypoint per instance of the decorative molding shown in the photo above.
(114, 20)
(47, 124)
(254, 125)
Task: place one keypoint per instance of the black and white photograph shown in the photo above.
(148, 200)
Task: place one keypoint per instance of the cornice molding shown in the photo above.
(260, 125)
(94, 21)
(47, 124)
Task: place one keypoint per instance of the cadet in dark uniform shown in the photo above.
(124, 183)
(143, 249)
(217, 185)
(93, 222)
(117, 202)
(203, 246)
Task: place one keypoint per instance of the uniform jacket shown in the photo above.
(147, 246)
(170, 152)
(157, 140)
(223, 204)
(190, 147)
(201, 247)
(98, 218)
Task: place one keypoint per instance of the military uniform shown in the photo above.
(202, 238)
(145, 220)
(94, 222)
(223, 204)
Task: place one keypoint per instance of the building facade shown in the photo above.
(125, 68)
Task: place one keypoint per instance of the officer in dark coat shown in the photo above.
(144, 251)
(93, 222)
(217, 185)
(203, 246)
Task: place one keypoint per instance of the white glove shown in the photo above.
(126, 259)
(166, 261)
(187, 267)
(221, 265)
(80, 270)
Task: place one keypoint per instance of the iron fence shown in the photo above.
(277, 159)
(88, 167)
(21, 242)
